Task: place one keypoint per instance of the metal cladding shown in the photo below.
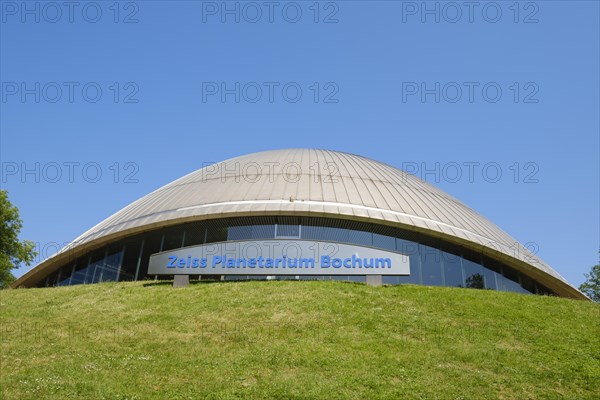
(314, 182)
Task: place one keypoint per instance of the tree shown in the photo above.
(13, 252)
(475, 281)
(591, 286)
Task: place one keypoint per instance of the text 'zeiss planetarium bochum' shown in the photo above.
(301, 214)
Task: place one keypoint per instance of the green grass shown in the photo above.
(295, 340)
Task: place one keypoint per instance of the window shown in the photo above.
(239, 232)
(432, 262)
(150, 245)
(431, 266)
(508, 285)
(263, 231)
(453, 273)
(130, 260)
(410, 249)
(90, 272)
(194, 234)
(173, 238)
(287, 231)
(360, 238)
(473, 275)
(384, 242)
(65, 275)
(216, 234)
(79, 274)
(490, 273)
(111, 265)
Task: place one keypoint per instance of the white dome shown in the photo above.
(317, 183)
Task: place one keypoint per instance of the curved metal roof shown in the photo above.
(318, 182)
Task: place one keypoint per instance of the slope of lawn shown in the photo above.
(295, 340)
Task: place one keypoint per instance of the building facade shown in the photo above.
(303, 196)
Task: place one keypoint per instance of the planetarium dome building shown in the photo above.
(359, 218)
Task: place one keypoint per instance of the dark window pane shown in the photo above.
(287, 277)
(65, 275)
(492, 265)
(411, 249)
(391, 280)
(80, 270)
(511, 274)
(527, 284)
(431, 266)
(288, 231)
(338, 277)
(311, 277)
(239, 233)
(357, 278)
(173, 239)
(384, 242)
(328, 233)
(312, 232)
(194, 234)
(453, 274)
(216, 234)
(541, 289)
(360, 238)
(489, 278)
(490, 270)
(236, 277)
(509, 285)
(339, 235)
(51, 279)
(473, 275)
(111, 265)
(130, 260)
(95, 260)
(407, 247)
(263, 232)
(151, 246)
(413, 278)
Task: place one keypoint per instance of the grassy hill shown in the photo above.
(295, 340)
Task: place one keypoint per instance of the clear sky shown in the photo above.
(499, 101)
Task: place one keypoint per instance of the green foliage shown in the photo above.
(295, 340)
(591, 286)
(13, 252)
(475, 282)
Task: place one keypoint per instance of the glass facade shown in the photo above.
(432, 262)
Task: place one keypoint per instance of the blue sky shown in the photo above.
(137, 87)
